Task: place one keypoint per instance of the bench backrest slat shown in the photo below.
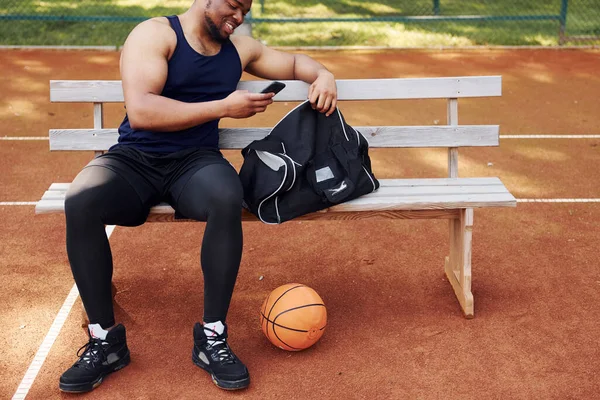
(451, 136)
(236, 138)
(348, 89)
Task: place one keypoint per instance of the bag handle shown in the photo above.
(270, 146)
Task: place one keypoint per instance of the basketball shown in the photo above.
(293, 317)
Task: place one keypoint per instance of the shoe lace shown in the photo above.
(91, 353)
(218, 342)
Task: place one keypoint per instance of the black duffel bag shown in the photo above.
(308, 162)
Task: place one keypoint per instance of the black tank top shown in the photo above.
(192, 78)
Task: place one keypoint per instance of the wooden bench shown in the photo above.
(451, 198)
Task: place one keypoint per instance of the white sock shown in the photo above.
(97, 332)
(215, 326)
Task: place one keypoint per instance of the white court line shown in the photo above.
(18, 47)
(558, 200)
(42, 353)
(18, 203)
(24, 138)
(549, 136)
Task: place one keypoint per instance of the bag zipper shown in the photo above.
(342, 123)
(273, 194)
(362, 165)
(294, 169)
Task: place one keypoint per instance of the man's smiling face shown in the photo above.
(223, 16)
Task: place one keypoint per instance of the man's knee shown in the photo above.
(227, 198)
(101, 195)
(79, 201)
(223, 200)
(84, 194)
(214, 190)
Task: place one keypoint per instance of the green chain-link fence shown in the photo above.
(404, 23)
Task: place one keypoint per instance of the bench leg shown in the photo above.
(458, 263)
(84, 319)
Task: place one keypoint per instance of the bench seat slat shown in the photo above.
(237, 138)
(386, 191)
(425, 202)
(392, 182)
(348, 89)
(391, 196)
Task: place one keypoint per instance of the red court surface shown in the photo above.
(395, 329)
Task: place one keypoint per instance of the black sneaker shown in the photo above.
(99, 358)
(226, 370)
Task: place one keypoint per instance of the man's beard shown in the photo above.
(214, 30)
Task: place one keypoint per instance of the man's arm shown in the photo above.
(268, 63)
(144, 69)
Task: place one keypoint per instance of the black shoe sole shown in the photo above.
(89, 386)
(222, 384)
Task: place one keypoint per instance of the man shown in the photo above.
(179, 78)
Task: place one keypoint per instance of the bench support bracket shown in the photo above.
(458, 263)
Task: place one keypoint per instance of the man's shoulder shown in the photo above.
(243, 41)
(155, 31)
(160, 23)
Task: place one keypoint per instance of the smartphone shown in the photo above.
(274, 87)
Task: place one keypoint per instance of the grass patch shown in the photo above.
(583, 19)
(431, 34)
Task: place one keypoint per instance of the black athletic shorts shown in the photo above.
(157, 177)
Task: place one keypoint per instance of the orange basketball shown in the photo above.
(293, 317)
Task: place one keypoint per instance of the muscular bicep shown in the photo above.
(268, 63)
(144, 63)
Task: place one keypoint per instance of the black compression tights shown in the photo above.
(98, 196)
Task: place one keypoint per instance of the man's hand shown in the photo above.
(244, 104)
(322, 94)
